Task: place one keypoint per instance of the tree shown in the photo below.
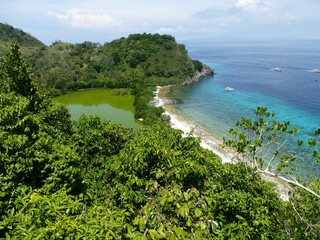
(34, 149)
(15, 68)
(19, 78)
(259, 143)
(302, 213)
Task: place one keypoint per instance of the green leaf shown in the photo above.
(202, 226)
(189, 222)
(154, 234)
(142, 224)
(179, 232)
(186, 196)
(163, 200)
(184, 211)
(198, 212)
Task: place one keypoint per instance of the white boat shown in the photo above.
(276, 69)
(316, 70)
(229, 89)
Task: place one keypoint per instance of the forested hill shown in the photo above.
(28, 43)
(140, 59)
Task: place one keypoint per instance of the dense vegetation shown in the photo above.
(92, 179)
(127, 62)
(28, 43)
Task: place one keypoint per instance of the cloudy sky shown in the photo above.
(104, 20)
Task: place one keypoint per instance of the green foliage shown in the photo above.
(143, 109)
(253, 139)
(33, 152)
(9, 34)
(301, 214)
(140, 59)
(198, 65)
(61, 216)
(94, 138)
(176, 189)
(92, 179)
(261, 141)
(19, 78)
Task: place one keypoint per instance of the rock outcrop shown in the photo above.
(206, 71)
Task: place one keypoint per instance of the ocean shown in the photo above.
(249, 68)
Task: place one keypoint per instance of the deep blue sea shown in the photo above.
(293, 94)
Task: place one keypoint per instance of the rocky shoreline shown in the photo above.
(205, 72)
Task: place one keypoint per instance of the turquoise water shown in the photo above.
(293, 93)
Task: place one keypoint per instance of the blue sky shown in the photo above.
(104, 20)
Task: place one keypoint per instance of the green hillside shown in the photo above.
(8, 34)
(140, 59)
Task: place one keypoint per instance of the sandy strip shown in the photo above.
(208, 140)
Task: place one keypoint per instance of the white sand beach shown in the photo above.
(208, 140)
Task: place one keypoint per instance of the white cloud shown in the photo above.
(168, 30)
(246, 3)
(78, 19)
(255, 5)
(111, 18)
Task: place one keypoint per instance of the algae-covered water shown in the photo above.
(107, 103)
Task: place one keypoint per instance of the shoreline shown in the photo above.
(178, 121)
(208, 140)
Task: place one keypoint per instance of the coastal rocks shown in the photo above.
(171, 101)
(165, 101)
(158, 102)
(206, 71)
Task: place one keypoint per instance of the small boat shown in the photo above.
(276, 69)
(316, 70)
(229, 89)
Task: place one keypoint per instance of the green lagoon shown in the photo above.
(107, 103)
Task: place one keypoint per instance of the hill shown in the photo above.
(9, 34)
(140, 59)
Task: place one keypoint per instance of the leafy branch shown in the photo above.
(260, 144)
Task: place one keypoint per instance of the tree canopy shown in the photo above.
(139, 59)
